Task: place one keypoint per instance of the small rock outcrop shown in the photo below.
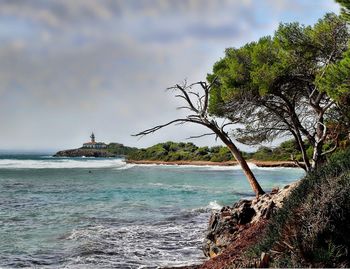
(84, 152)
(226, 225)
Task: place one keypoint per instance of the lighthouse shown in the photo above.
(93, 144)
(92, 136)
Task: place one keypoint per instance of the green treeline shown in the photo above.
(172, 151)
(119, 149)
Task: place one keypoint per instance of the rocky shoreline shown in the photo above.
(228, 163)
(84, 152)
(234, 229)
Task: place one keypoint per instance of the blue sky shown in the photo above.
(71, 67)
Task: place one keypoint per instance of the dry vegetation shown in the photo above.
(312, 229)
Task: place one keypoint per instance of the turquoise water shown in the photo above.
(104, 213)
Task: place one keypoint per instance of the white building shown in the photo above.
(93, 144)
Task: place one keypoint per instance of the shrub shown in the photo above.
(312, 227)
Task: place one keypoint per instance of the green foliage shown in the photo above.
(283, 152)
(119, 149)
(171, 151)
(262, 67)
(345, 8)
(336, 82)
(312, 227)
(272, 87)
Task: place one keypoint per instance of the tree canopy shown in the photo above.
(345, 8)
(271, 86)
(336, 80)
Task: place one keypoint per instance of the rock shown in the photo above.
(245, 213)
(226, 225)
(264, 260)
(214, 251)
(274, 190)
(98, 153)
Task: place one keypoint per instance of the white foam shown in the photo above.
(140, 246)
(61, 163)
(214, 205)
(118, 164)
(126, 166)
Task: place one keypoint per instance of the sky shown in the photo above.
(68, 68)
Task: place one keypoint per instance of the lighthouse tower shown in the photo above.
(92, 136)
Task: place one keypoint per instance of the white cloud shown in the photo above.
(67, 67)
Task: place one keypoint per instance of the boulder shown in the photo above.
(225, 225)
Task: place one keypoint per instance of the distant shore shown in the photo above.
(228, 163)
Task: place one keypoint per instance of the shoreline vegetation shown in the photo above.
(180, 153)
(288, 164)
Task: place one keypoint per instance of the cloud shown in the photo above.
(67, 67)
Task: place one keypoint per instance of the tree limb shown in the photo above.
(199, 136)
(156, 128)
(298, 163)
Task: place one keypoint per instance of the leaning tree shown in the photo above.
(196, 99)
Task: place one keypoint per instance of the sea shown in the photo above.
(105, 213)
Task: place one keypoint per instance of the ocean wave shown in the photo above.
(213, 205)
(126, 166)
(118, 164)
(139, 246)
(61, 163)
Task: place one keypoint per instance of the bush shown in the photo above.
(171, 151)
(312, 227)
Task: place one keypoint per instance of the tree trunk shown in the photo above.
(317, 157)
(246, 169)
(200, 108)
(239, 158)
(303, 151)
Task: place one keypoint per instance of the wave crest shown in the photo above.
(61, 163)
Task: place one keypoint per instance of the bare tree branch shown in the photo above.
(186, 97)
(298, 163)
(201, 117)
(331, 150)
(199, 136)
(156, 128)
(194, 93)
(183, 107)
